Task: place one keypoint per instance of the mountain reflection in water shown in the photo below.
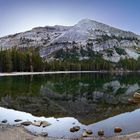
(89, 97)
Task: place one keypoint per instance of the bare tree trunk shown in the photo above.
(31, 62)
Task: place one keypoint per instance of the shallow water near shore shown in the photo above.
(90, 100)
(60, 127)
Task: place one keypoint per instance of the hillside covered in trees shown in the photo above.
(29, 60)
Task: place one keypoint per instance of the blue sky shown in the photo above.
(21, 15)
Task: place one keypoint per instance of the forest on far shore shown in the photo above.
(18, 60)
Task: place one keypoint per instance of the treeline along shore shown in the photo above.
(29, 60)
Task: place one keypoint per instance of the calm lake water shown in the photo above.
(93, 100)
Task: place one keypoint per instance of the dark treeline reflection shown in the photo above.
(89, 97)
(68, 83)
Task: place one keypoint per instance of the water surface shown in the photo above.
(95, 100)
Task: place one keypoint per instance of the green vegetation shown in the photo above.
(129, 64)
(70, 60)
(120, 51)
(109, 52)
(29, 60)
(106, 37)
(20, 60)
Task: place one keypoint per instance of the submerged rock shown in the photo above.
(45, 123)
(44, 134)
(37, 123)
(75, 129)
(41, 123)
(27, 123)
(85, 134)
(101, 132)
(117, 130)
(72, 129)
(17, 120)
(4, 121)
(89, 132)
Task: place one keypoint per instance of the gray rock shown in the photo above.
(27, 123)
(18, 120)
(4, 121)
(44, 134)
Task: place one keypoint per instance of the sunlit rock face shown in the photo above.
(85, 34)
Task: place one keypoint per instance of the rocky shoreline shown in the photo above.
(132, 136)
(8, 132)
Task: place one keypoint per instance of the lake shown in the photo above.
(92, 100)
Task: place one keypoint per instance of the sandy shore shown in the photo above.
(133, 136)
(19, 133)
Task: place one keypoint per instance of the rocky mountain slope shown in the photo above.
(79, 40)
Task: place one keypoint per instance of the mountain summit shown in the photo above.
(87, 28)
(59, 42)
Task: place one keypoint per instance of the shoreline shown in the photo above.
(8, 132)
(130, 136)
(60, 72)
(19, 132)
(49, 72)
